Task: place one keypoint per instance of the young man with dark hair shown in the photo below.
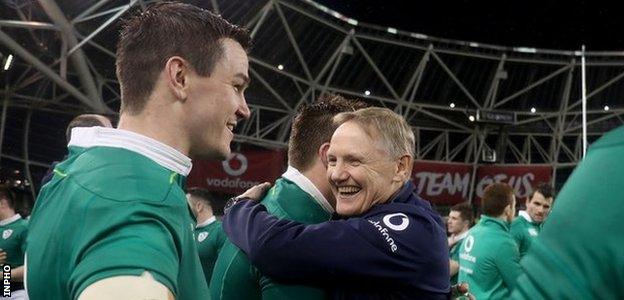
(14, 231)
(301, 194)
(488, 257)
(209, 234)
(114, 223)
(460, 219)
(526, 227)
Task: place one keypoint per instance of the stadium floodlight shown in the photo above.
(7, 63)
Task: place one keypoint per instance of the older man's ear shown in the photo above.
(404, 168)
(322, 153)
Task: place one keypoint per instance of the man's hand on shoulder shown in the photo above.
(256, 192)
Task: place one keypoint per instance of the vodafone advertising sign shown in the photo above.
(238, 173)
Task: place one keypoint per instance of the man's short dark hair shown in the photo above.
(545, 189)
(86, 120)
(7, 194)
(465, 211)
(201, 194)
(163, 30)
(313, 126)
(496, 197)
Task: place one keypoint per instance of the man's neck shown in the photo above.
(7, 214)
(203, 217)
(161, 128)
(317, 174)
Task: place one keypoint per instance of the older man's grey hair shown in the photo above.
(385, 126)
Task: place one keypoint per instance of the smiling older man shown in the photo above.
(391, 245)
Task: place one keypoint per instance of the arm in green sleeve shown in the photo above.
(508, 263)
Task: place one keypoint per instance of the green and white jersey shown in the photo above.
(524, 231)
(454, 254)
(209, 237)
(114, 207)
(14, 231)
(293, 197)
(579, 251)
(489, 260)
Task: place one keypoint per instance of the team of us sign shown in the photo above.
(449, 183)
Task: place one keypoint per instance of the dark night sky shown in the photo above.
(530, 23)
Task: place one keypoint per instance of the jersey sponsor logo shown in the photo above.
(468, 244)
(227, 167)
(7, 233)
(385, 235)
(202, 236)
(532, 232)
(387, 220)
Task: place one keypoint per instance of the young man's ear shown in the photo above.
(404, 168)
(176, 70)
(322, 153)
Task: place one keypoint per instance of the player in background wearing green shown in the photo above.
(14, 230)
(301, 194)
(526, 227)
(578, 253)
(460, 219)
(488, 257)
(209, 234)
(114, 223)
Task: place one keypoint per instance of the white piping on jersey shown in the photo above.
(207, 222)
(160, 153)
(525, 215)
(10, 220)
(307, 186)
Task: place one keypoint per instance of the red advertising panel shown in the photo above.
(242, 171)
(442, 183)
(521, 177)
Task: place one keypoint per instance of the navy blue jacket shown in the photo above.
(396, 250)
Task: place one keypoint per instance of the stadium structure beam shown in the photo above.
(456, 80)
(490, 98)
(414, 82)
(532, 85)
(43, 68)
(79, 59)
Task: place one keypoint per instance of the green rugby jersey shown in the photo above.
(114, 207)
(524, 231)
(293, 197)
(209, 237)
(578, 253)
(14, 231)
(488, 259)
(454, 254)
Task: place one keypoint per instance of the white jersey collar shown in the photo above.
(207, 222)
(462, 236)
(160, 153)
(307, 186)
(10, 220)
(525, 215)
